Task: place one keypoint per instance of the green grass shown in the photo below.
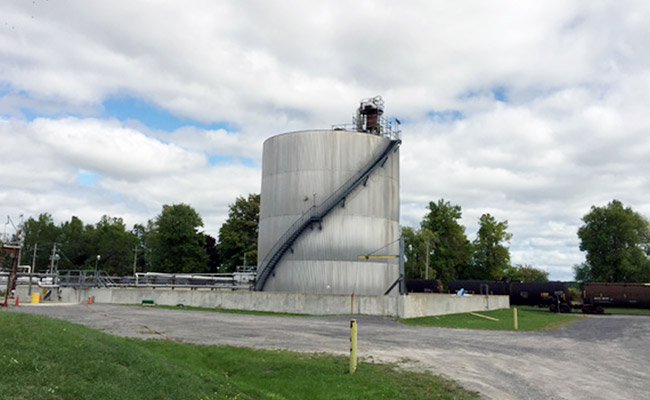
(42, 358)
(628, 311)
(230, 311)
(529, 318)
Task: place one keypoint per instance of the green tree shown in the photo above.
(40, 235)
(582, 273)
(416, 244)
(177, 245)
(144, 235)
(617, 242)
(490, 257)
(238, 235)
(75, 246)
(115, 244)
(213, 254)
(525, 273)
(452, 251)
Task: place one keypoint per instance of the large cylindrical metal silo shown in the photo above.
(328, 197)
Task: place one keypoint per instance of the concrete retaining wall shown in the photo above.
(426, 304)
(63, 295)
(413, 305)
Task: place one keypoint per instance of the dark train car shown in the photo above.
(554, 295)
(480, 287)
(596, 296)
(424, 286)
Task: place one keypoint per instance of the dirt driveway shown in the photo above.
(604, 357)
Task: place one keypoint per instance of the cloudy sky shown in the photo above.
(531, 111)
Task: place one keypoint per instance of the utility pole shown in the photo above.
(426, 271)
(52, 259)
(135, 258)
(33, 269)
(34, 258)
(135, 261)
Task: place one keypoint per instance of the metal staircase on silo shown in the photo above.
(315, 214)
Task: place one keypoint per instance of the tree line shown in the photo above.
(171, 242)
(442, 239)
(615, 238)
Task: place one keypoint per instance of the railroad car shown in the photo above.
(596, 296)
(424, 286)
(479, 287)
(554, 295)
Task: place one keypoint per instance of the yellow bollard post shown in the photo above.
(514, 311)
(353, 346)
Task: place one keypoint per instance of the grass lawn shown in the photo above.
(530, 319)
(230, 311)
(629, 311)
(43, 358)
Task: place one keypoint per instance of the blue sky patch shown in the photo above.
(29, 113)
(152, 116)
(500, 93)
(215, 159)
(86, 178)
(446, 115)
(122, 108)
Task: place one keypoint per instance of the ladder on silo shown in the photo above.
(316, 213)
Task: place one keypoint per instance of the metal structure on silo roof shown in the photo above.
(328, 197)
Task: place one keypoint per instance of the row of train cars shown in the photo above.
(595, 297)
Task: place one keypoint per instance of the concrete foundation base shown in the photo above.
(409, 306)
(62, 295)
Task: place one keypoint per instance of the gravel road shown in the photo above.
(599, 357)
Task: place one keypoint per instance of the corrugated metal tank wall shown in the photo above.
(324, 259)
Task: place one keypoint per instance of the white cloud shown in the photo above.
(134, 174)
(109, 148)
(571, 133)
